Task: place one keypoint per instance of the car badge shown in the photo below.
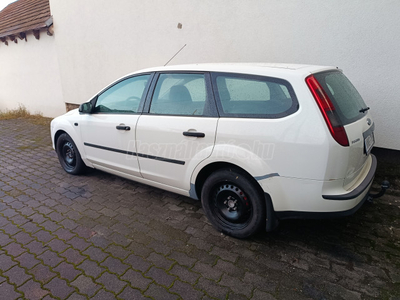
(369, 121)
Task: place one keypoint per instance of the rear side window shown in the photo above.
(240, 95)
(343, 94)
(179, 94)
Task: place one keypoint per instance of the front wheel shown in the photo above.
(69, 156)
(233, 203)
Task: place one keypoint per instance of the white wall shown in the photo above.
(29, 75)
(101, 40)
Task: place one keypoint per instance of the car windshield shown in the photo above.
(344, 96)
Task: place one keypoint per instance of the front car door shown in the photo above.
(177, 128)
(108, 132)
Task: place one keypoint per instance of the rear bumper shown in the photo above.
(346, 204)
(365, 184)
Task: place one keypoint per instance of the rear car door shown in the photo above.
(108, 132)
(177, 128)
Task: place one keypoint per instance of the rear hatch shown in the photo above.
(348, 117)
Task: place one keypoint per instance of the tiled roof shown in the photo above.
(24, 15)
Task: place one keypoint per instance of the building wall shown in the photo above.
(100, 40)
(29, 75)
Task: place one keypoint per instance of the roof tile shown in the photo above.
(24, 15)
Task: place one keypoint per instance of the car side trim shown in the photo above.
(359, 189)
(169, 160)
(258, 178)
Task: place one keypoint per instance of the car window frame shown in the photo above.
(210, 101)
(295, 103)
(142, 100)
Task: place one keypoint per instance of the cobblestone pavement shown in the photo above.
(102, 237)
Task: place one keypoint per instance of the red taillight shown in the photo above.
(328, 111)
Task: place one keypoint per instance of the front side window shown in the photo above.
(179, 94)
(123, 97)
(254, 96)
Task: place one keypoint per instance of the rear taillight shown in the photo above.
(328, 111)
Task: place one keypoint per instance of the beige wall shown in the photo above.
(100, 40)
(29, 75)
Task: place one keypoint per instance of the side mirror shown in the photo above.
(85, 108)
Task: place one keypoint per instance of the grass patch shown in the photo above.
(22, 113)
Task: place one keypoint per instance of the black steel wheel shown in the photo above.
(69, 156)
(233, 203)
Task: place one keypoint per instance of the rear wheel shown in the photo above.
(69, 156)
(233, 203)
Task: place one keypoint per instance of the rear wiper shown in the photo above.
(363, 110)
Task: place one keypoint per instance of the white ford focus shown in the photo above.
(257, 143)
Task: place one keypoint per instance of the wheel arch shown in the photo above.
(214, 166)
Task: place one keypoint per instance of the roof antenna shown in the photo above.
(175, 54)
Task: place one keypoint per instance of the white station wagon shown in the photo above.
(256, 143)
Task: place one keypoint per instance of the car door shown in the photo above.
(108, 132)
(177, 129)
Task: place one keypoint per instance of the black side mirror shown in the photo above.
(85, 108)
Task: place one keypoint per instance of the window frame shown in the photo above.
(142, 100)
(210, 101)
(295, 103)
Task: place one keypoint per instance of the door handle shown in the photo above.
(123, 127)
(194, 133)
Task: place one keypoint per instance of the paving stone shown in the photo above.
(129, 293)
(91, 268)
(207, 271)
(137, 263)
(86, 285)
(117, 251)
(114, 265)
(236, 285)
(79, 243)
(73, 256)
(95, 254)
(228, 267)
(76, 296)
(57, 245)
(14, 249)
(260, 295)
(50, 258)
(159, 292)
(213, 289)
(36, 247)
(186, 290)
(111, 282)
(64, 234)
(59, 288)
(27, 260)
(184, 274)
(103, 295)
(182, 258)
(6, 262)
(136, 279)
(17, 275)
(160, 261)
(43, 236)
(33, 291)
(67, 271)
(160, 276)
(7, 292)
(5, 239)
(42, 273)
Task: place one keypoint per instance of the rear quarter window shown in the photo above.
(343, 95)
(248, 96)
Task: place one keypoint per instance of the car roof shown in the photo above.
(265, 69)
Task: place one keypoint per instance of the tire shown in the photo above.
(69, 156)
(233, 203)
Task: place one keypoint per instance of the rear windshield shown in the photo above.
(343, 94)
